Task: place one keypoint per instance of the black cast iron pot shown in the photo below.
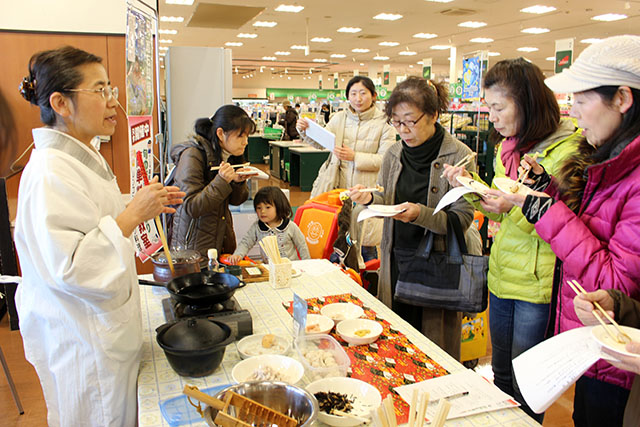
(195, 346)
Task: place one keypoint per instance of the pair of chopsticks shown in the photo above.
(378, 188)
(163, 238)
(269, 245)
(385, 415)
(243, 165)
(522, 176)
(621, 337)
(418, 410)
(463, 162)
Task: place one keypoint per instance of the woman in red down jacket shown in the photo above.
(591, 214)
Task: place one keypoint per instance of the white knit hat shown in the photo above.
(611, 62)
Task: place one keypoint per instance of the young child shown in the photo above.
(274, 213)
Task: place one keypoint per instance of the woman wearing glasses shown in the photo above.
(78, 302)
(525, 112)
(410, 174)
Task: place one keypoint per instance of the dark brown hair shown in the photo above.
(366, 82)
(538, 111)
(430, 97)
(273, 196)
(230, 118)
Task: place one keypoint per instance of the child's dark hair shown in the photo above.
(228, 117)
(273, 196)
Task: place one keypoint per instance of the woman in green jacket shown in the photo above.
(525, 112)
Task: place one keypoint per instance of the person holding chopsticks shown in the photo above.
(206, 170)
(79, 304)
(590, 213)
(525, 112)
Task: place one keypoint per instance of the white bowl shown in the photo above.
(289, 370)
(252, 346)
(342, 311)
(347, 330)
(325, 324)
(366, 399)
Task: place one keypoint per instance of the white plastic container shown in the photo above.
(322, 357)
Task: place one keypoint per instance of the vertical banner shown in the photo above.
(320, 81)
(564, 54)
(426, 68)
(471, 76)
(335, 80)
(356, 72)
(386, 73)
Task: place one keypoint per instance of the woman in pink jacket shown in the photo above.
(591, 214)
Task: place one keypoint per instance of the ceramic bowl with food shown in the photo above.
(268, 367)
(318, 324)
(359, 331)
(322, 356)
(349, 395)
(342, 311)
(259, 344)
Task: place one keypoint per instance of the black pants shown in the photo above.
(598, 404)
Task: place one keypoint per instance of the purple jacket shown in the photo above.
(599, 247)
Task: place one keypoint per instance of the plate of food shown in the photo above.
(345, 401)
(607, 341)
(472, 184)
(387, 210)
(318, 324)
(509, 186)
(259, 344)
(250, 170)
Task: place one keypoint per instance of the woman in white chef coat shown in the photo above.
(78, 304)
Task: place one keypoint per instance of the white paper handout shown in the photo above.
(451, 196)
(547, 370)
(320, 135)
(380, 210)
(482, 395)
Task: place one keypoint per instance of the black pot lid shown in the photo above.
(193, 334)
(178, 256)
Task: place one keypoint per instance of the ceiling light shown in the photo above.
(289, 77)
(535, 30)
(388, 44)
(590, 41)
(380, 58)
(289, 8)
(233, 44)
(171, 18)
(166, 41)
(420, 62)
(349, 30)
(481, 40)
(247, 36)
(338, 55)
(321, 39)
(440, 46)
(388, 16)
(425, 36)
(527, 49)
(164, 47)
(608, 17)
(319, 60)
(410, 65)
(168, 31)
(180, 2)
(267, 24)
(472, 24)
(359, 50)
(407, 53)
(550, 58)
(282, 53)
(298, 47)
(269, 58)
(493, 53)
(538, 9)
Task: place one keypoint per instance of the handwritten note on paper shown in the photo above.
(451, 196)
(321, 135)
(483, 396)
(547, 370)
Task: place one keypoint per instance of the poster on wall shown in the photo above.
(386, 73)
(564, 54)
(471, 77)
(426, 68)
(335, 80)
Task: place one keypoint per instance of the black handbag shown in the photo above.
(452, 280)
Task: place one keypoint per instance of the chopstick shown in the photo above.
(361, 420)
(441, 413)
(422, 410)
(163, 238)
(522, 176)
(381, 416)
(412, 408)
(269, 245)
(463, 162)
(578, 289)
(243, 165)
(372, 189)
(390, 412)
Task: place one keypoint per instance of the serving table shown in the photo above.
(158, 382)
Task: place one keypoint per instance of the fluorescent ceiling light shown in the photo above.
(493, 53)
(407, 53)
(338, 55)
(166, 41)
(440, 46)
(319, 60)
(420, 62)
(472, 24)
(550, 58)
(233, 44)
(168, 31)
(171, 18)
(388, 16)
(247, 36)
(410, 65)
(388, 44)
(527, 49)
(425, 36)
(608, 17)
(269, 58)
(164, 48)
(538, 9)
(590, 41)
(267, 24)
(481, 40)
(321, 39)
(349, 30)
(298, 47)
(535, 30)
(181, 2)
(289, 8)
(380, 58)
(362, 64)
(359, 50)
(282, 53)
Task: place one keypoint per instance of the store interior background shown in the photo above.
(99, 26)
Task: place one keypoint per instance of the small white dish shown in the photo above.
(342, 311)
(605, 340)
(472, 184)
(268, 367)
(386, 210)
(366, 399)
(252, 172)
(295, 272)
(359, 331)
(252, 345)
(318, 324)
(505, 184)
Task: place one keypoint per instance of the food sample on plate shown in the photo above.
(314, 327)
(268, 345)
(362, 332)
(267, 373)
(331, 401)
(320, 358)
(268, 340)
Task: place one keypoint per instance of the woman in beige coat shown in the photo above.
(362, 137)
